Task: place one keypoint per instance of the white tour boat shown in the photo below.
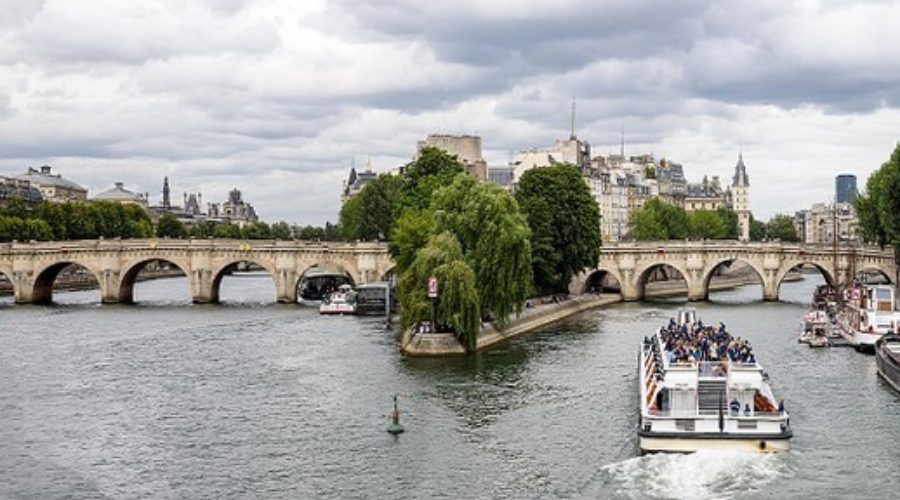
(714, 402)
(815, 328)
(340, 301)
(868, 313)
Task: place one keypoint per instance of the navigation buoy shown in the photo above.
(395, 427)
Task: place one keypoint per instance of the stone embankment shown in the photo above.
(541, 314)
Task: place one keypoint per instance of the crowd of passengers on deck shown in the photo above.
(699, 342)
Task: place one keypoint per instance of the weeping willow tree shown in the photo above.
(457, 306)
(495, 241)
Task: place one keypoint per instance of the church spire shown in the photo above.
(740, 173)
(167, 202)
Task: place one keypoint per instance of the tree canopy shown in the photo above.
(878, 208)
(781, 227)
(370, 214)
(458, 307)
(170, 227)
(74, 220)
(565, 225)
(658, 220)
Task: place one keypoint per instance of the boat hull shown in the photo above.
(888, 366)
(654, 443)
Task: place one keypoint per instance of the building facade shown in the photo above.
(570, 151)
(235, 209)
(357, 181)
(827, 224)
(11, 188)
(54, 187)
(466, 148)
(845, 188)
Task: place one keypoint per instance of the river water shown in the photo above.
(249, 399)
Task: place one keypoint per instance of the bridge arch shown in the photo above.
(328, 267)
(125, 290)
(718, 263)
(596, 281)
(642, 276)
(45, 277)
(795, 265)
(232, 265)
(885, 273)
(7, 276)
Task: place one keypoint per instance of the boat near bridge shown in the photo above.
(701, 388)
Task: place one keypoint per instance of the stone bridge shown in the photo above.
(33, 267)
(631, 264)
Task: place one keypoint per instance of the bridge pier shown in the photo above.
(286, 281)
(202, 289)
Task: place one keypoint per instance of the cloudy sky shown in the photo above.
(277, 97)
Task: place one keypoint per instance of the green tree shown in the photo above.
(495, 241)
(256, 231)
(282, 231)
(411, 233)
(370, 214)
(878, 209)
(170, 227)
(311, 233)
(431, 170)
(781, 227)
(757, 230)
(227, 230)
(707, 224)
(657, 221)
(565, 225)
(204, 229)
(458, 305)
(730, 219)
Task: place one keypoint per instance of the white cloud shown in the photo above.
(276, 96)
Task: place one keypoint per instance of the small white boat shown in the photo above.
(815, 329)
(868, 313)
(695, 395)
(340, 301)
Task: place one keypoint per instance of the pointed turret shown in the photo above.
(740, 173)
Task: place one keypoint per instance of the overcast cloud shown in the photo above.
(276, 97)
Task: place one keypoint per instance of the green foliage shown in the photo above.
(757, 230)
(565, 225)
(431, 170)
(781, 227)
(282, 231)
(495, 241)
(730, 219)
(75, 220)
(411, 232)
(707, 225)
(458, 306)
(227, 231)
(170, 227)
(650, 172)
(873, 208)
(256, 231)
(204, 229)
(658, 220)
(370, 214)
(16, 228)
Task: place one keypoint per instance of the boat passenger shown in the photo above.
(747, 410)
(781, 405)
(735, 406)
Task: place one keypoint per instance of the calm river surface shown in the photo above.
(255, 400)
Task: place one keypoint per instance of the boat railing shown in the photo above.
(711, 414)
(712, 369)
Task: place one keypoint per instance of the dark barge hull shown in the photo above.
(888, 362)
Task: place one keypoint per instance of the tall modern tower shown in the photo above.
(740, 191)
(845, 188)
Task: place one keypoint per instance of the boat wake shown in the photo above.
(704, 474)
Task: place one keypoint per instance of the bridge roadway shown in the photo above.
(33, 267)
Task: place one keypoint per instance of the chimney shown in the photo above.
(120, 185)
(46, 169)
